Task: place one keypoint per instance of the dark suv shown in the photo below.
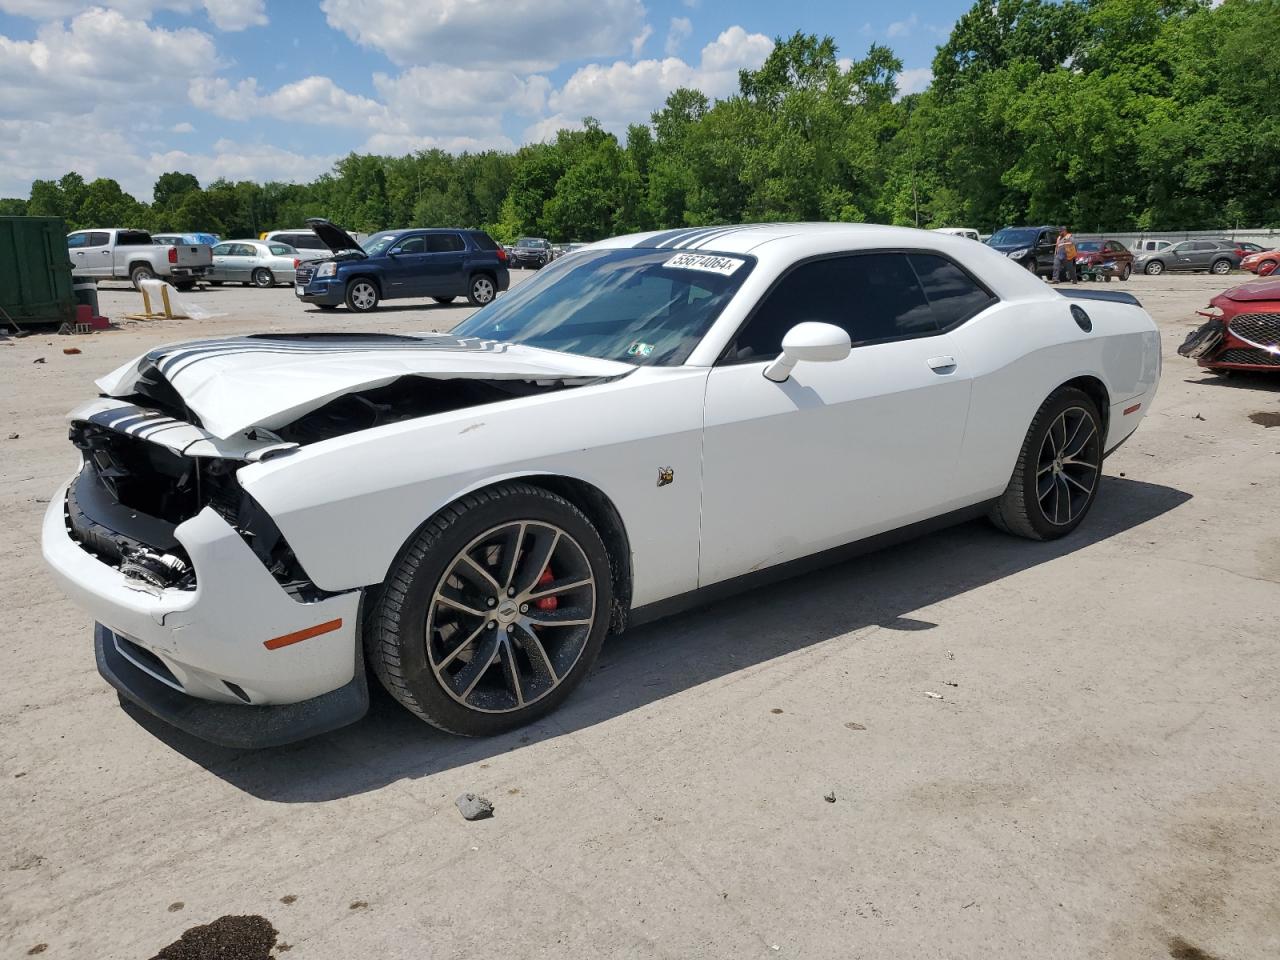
(436, 263)
(531, 252)
(1031, 246)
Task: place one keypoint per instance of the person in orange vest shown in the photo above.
(1064, 253)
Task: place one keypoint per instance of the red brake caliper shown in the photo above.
(546, 603)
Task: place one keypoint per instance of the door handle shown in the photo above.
(942, 365)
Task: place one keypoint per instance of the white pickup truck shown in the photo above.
(132, 255)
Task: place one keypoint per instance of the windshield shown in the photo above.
(378, 243)
(637, 306)
(1015, 236)
(1089, 246)
(530, 242)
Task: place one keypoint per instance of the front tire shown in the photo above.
(494, 611)
(262, 277)
(362, 296)
(1126, 272)
(1055, 480)
(482, 290)
(1154, 268)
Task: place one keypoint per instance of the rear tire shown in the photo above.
(262, 277)
(362, 295)
(518, 656)
(1059, 467)
(139, 273)
(1221, 267)
(327, 306)
(186, 287)
(444, 301)
(482, 290)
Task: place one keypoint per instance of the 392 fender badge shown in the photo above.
(666, 475)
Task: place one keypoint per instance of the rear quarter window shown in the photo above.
(483, 241)
(953, 294)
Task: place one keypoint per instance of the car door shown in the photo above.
(446, 268)
(77, 243)
(1046, 248)
(221, 266)
(840, 450)
(404, 272)
(97, 254)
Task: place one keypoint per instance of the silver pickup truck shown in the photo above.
(117, 254)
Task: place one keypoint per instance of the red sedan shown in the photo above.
(1244, 333)
(1263, 263)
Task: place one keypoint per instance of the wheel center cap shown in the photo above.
(508, 611)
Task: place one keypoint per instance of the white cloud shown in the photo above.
(311, 100)
(96, 147)
(398, 144)
(914, 80)
(545, 130)
(425, 92)
(223, 14)
(183, 127)
(623, 93)
(639, 40)
(677, 34)
(236, 14)
(523, 35)
(101, 58)
(901, 28)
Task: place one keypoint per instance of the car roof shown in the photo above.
(749, 238)
(776, 246)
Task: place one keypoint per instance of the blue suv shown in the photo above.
(441, 264)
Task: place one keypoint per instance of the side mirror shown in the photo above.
(815, 342)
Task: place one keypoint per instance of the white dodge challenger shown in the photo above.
(258, 521)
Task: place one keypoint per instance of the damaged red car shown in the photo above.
(1243, 332)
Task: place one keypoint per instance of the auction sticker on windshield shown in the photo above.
(706, 262)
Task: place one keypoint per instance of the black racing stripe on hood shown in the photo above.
(167, 362)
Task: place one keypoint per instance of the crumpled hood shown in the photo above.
(269, 380)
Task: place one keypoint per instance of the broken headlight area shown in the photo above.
(131, 495)
(1203, 340)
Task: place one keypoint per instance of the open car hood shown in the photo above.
(334, 237)
(269, 381)
(1254, 290)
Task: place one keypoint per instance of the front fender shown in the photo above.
(347, 505)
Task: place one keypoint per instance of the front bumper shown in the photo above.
(329, 292)
(209, 643)
(228, 725)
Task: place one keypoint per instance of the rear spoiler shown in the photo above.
(1114, 296)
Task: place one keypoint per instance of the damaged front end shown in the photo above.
(144, 474)
(1204, 340)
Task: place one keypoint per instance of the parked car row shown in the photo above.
(1034, 248)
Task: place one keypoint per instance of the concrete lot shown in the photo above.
(1101, 777)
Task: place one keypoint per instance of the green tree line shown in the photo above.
(1106, 114)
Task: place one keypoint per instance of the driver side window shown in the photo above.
(874, 297)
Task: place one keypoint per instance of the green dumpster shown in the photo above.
(35, 271)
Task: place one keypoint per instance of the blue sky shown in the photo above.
(278, 89)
